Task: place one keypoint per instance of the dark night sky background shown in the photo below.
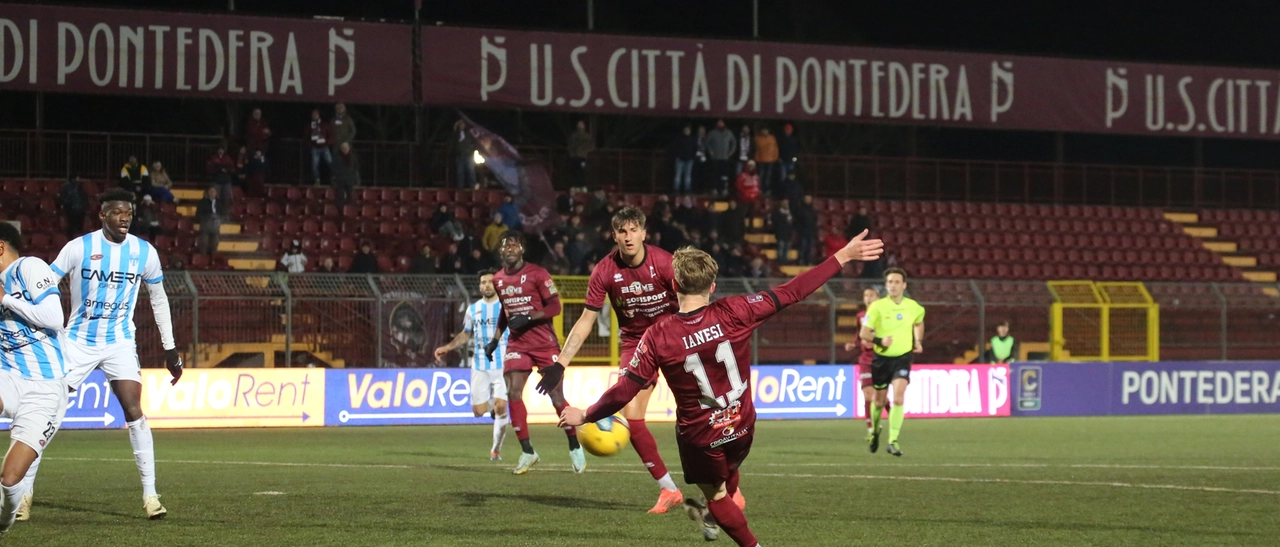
(1233, 33)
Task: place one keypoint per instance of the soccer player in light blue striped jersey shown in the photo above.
(488, 389)
(105, 269)
(33, 390)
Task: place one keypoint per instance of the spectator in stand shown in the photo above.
(574, 228)
(581, 144)
(256, 181)
(712, 241)
(700, 164)
(510, 213)
(221, 170)
(577, 252)
(346, 174)
(257, 134)
(365, 262)
(748, 186)
(783, 230)
(134, 177)
(733, 225)
(790, 189)
(709, 219)
(833, 242)
(1004, 348)
(440, 217)
(453, 228)
(596, 205)
(464, 163)
(757, 269)
(557, 262)
(720, 146)
(477, 262)
(176, 264)
(806, 218)
(161, 184)
(328, 266)
(209, 214)
(746, 148)
(73, 202)
(858, 223)
(684, 149)
(424, 262)
(242, 165)
(788, 151)
(766, 158)
(493, 234)
(734, 264)
(320, 136)
(874, 269)
(343, 127)
(451, 263)
(294, 260)
(146, 221)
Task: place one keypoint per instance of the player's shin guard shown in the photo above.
(144, 454)
(731, 485)
(875, 417)
(29, 481)
(896, 416)
(732, 521)
(519, 419)
(647, 448)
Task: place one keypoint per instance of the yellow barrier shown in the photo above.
(1107, 321)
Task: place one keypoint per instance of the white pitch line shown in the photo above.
(562, 468)
(1035, 465)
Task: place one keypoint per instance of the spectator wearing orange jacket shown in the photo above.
(766, 157)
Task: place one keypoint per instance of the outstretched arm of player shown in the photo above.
(457, 342)
(577, 335)
(610, 403)
(46, 313)
(160, 309)
(859, 248)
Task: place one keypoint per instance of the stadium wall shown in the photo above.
(1103, 389)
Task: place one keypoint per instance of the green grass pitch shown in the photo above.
(1185, 480)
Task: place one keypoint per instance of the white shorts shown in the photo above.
(487, 384)
(119, 361)
(35, 406)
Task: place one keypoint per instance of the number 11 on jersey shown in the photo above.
(724, 355)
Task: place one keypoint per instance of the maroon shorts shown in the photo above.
(703, 465)
(624, 363)
(864, 376)
(518, 360)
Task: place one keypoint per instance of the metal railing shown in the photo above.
(55, 154)
(260, 319)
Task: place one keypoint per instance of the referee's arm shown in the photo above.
(866, 334)
(917, 330)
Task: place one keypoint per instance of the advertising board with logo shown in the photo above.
(1094, 389)
(953, 391)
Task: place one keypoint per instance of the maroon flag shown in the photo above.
(526, 181)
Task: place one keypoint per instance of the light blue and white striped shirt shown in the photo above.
(29, 344)
(481, 321)
(104, 278)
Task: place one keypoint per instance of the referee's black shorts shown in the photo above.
(885, 370)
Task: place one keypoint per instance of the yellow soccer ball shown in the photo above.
(605, 437)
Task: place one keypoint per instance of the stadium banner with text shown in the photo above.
(92, 406)
(598, 73)
(1099, 389)
(201, 55)
(953, 391)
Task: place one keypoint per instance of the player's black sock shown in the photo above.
(526, 446)
(573, 443)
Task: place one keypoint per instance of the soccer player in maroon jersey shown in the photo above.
(867, 351)
(529, 302)
(703, 351)
(638, 280)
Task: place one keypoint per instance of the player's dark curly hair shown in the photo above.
(11, 237)
(513, 234)
(116, 194)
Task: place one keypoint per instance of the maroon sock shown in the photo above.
(732, 521)
(647, 448)
(568, 431)
(731, 485)
(519, 418)
(866, 411)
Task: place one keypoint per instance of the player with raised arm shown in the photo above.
(638, 280)
(703, 352)
(895, 325)
(33, 392)
(479, 325)
(866, 351)
(529, 302)
(105, 269)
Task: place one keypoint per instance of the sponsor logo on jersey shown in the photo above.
(551, 287)
(637, 287)
(755, 298)
(109, 277)
(511, 355)
(512, 290)
(95, 257)
(899, 317)
(617, 278)
(522, 278)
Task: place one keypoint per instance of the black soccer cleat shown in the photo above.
(875, 442)
(893, 449)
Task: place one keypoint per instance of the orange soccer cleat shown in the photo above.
(739, 500)
(666, 500)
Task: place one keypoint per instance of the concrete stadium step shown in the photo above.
(261, 264)
(761, 239)
(1201, 231)
(1227, 250)
(238, 246)
(772, 254)
(1240, 260)
(792, 271)
(1182, 218)
(1260, 276)
(1222, 246)
(188, 194)
(227, 229)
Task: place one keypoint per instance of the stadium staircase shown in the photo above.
(1246, 239)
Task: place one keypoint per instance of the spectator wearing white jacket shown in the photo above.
(294, 261)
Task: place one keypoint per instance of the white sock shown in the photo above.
(499, 432)
(29, 481)
(144, 454)
(667, 484)
(9, 511)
